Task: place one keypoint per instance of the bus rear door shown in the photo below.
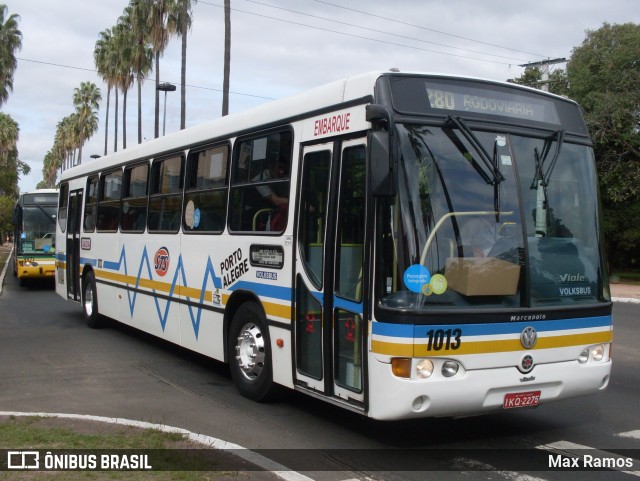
(73, 245)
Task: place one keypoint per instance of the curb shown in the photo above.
(246, 454)
(4, 271)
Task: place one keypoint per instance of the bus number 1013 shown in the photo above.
(439, 338)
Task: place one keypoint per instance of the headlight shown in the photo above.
(596, 353)
(424, 368)
(450, 368)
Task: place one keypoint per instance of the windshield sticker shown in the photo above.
(418, 279)
(416, 276)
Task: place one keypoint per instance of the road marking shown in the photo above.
(265, 463)
(566, 448)
(467, 464)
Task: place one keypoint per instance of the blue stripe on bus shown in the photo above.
(264, 290)
(86, 260)
(407, 330)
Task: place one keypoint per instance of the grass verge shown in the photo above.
(174, 455)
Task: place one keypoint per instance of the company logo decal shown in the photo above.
(529, 337)
(161, 261)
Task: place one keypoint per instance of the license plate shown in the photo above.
(521, 399)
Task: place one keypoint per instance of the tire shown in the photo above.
(250, 358)
(90, 302)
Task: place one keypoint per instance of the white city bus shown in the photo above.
(402, 245)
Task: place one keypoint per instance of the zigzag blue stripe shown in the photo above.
(162, 317)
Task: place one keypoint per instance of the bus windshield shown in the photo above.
(490, 219)
(38, 228)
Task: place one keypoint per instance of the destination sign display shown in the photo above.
(463, 97)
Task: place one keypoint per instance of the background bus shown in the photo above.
(34, 220)
(401, 245)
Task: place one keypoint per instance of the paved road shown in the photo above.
(50, 362)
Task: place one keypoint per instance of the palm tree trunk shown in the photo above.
(139, 110)
(157, 124)
(106, 121)
(115, 117)
(183, 75)
(227, 57)
(124, 119)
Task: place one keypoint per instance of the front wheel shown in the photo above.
(250, 358)
(90, 302)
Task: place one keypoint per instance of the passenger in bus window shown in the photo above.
(276, 169)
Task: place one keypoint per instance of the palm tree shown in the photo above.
(104, 65)
(135, 16)
(162, 23)
(227, 57)
(86, 99)
(123, 39)
(10, 42)
(10, 166)
(184, 20)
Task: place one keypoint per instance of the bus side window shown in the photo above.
(109, 200)
(63, 200)
(91, 204)
(165, 200)
(134, 201)
(261, 183)
(205, 200)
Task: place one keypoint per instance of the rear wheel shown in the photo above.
(250, 354)
(90, 302)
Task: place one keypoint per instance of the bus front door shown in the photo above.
(330, 330)
(73, 245)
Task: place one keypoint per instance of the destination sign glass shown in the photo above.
(463, 97)
(29, 199)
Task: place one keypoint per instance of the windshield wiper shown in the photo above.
(542, 177)
(490, 163)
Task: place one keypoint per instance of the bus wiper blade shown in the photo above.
(543, 176)
(489, 162)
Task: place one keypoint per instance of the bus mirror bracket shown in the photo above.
(383, 174)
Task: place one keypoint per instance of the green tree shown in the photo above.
(604, 74)
(162, 24)
(86, 99)
(103, 58)
(10, 42)
(10, 166)
(123, 41)
(605, 79)
(136, 15)
(6, 216)
(532, 77)
(183, 24)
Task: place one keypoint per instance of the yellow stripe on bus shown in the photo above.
(486, 347)
(183, 291)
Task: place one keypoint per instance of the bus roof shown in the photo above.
(270, 113)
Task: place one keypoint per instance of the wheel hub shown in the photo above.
(250, 351)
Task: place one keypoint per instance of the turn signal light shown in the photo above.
(401, 367)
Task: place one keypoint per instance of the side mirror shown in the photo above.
(383, 175)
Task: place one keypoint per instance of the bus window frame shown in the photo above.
(125, 190)
(153, 196)
(247, 184)
(193, 159)
(111, 202)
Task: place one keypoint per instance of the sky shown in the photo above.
(279, 48)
